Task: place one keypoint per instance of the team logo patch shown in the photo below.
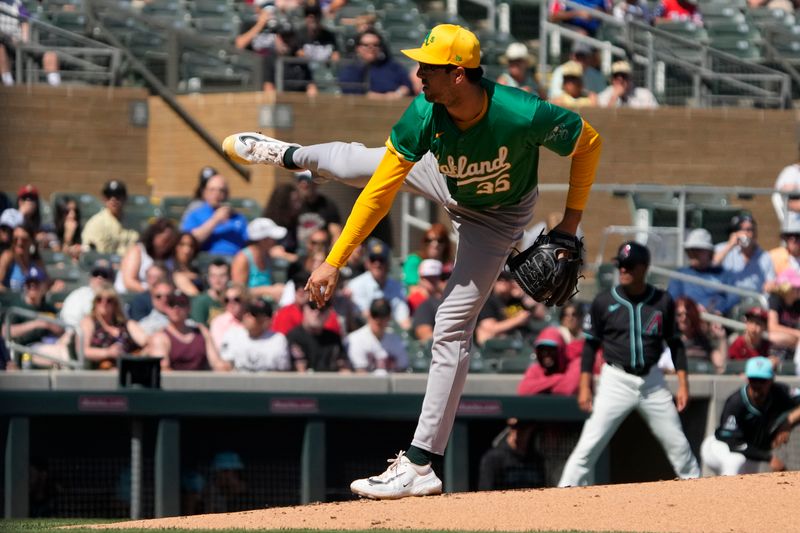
(653, 326)
(559, 133)
(730, 423)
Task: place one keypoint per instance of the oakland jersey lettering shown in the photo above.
(486, 165)
(465, 172)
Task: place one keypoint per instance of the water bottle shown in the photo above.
(26, 362)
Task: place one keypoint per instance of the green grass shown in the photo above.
(53, 525)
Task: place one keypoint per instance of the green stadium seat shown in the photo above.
(700, 366)
(787, 368)
(735, 367)
(88, 204)
(514, 365)
(173, 207)
(249, 207)
(220, 27)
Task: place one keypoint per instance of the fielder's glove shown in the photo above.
(550, 269)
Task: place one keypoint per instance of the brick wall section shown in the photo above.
(70, 139)
(75, 139)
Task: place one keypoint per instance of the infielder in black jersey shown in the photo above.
(631, 322)
(755, 420)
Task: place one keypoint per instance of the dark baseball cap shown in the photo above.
(377, 250)
(178, 299)
(206, 173)
(258, 307)
(632, 253)
(115, 188)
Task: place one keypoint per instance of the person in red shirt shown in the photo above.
(553, 372)
(752, 342)
(669, 10)
(290, 316)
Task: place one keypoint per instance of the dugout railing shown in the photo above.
(302, 438)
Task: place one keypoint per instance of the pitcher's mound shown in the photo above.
(747, 504)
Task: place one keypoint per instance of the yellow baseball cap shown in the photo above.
(448, 44)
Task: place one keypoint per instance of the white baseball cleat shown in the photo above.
(402, 479)
(250, 147)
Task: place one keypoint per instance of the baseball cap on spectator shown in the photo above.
(178, 299)
(572, 69)
(207, 172)
(756, 313)
(312, 8)
(738, 220)
(265, 228)
(35, 275)
(377, 250)
(759, 368)
(115, 189)
(632, 253)
(28, 190)
(258, 307)
(515, 52)
(791, 228)
(430, 268)
(621, 67)
(101, 268)
(582, 48)
(448, 44)
(11, 218)
(698, 239)
(380, 308)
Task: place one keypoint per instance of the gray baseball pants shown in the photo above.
(485, 239)
(619, 393)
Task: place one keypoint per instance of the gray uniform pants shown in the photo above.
(485, 239)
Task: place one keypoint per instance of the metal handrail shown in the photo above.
(700, 71)
(688, 278)
(15, 347)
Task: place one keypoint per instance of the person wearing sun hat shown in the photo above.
(471, 146)
(252, 266)
(518, 61)
(756, 420)
(700, 252)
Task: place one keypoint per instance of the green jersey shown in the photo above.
(494, 162)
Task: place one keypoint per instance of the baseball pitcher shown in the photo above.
(471, 146)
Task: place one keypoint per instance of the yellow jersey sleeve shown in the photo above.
(585, 159)
(371, 206)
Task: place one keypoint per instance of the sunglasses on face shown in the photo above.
(233, 299)
(161, 296)
(319, 243)
(28, 198)
(427, 68)
(429, 240)
(180, 304)
(105, 300)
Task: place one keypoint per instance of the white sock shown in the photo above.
(54, 79)
(8, 79)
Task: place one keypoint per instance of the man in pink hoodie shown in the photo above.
(553, 373)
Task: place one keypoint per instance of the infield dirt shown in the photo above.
(748, 504)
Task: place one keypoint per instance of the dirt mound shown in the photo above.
(754, 503)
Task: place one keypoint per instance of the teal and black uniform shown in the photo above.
(632, 331)
(748, 429)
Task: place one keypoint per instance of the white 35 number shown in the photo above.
(501, 184)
